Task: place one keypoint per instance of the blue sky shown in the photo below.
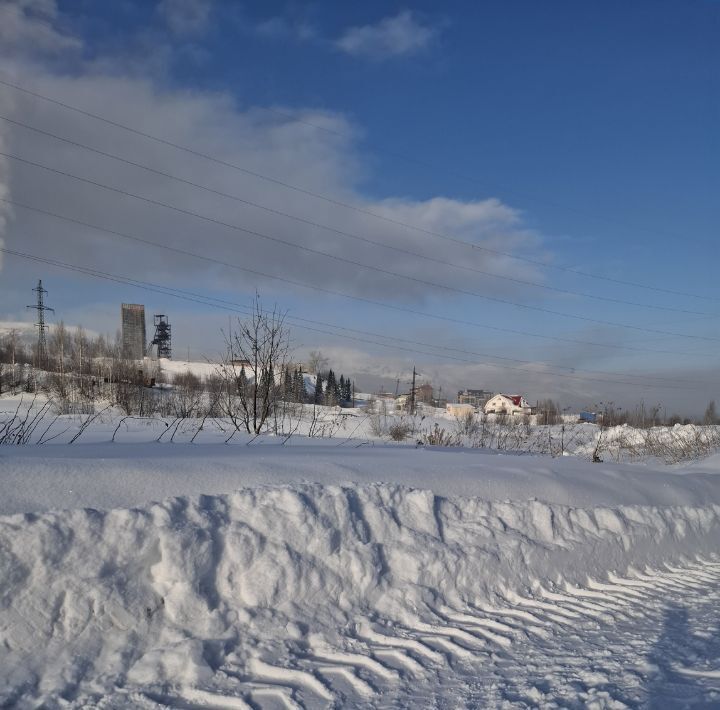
(583, 135)
(597, 119)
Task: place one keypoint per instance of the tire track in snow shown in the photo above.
(628, 640)
(597, 644)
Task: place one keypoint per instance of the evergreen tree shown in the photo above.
(300, 394)
(242, 381)
(341, 388)
(318, 389)
(266, 384)
(347, 393)
(288, 385)
(331, 390)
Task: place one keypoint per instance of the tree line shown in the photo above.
(254, 382)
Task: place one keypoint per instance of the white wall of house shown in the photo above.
(503, 404)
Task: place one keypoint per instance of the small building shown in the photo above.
(512, 404)
(459, 410)
(424, 393)
(477, 398)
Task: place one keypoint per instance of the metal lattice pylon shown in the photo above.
(41, 308)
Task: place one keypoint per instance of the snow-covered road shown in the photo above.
(648, 640)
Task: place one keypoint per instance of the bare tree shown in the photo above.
(187, 397)
(317, 362)
(257, 354)
(710, 416)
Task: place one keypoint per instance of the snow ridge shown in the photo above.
(264, 581)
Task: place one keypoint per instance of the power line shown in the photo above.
(208, 301)
(452, 349)
(350, 235)
(352, 262)
(361, 299)
(463, 176)
(346, 205)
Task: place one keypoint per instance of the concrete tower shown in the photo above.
(133, 331)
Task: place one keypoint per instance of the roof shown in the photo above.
(516, 399)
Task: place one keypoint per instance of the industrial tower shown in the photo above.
(162, 336)
(40, 307)
(133, 331)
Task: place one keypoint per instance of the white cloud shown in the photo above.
(395, 36)
(27, 27)
(285, 144)
(281, 145)
(185, 17)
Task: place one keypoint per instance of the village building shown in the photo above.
(424, 393)
(512, 404)
(477, 398)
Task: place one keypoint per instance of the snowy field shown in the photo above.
(350, 571)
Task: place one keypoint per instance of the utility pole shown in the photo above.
(412, 392)
(40, 307)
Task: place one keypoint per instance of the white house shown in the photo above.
(507, 404)
(402, 402)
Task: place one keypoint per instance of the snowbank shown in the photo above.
(161, 594)
(327, 572)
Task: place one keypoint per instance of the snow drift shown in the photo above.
(94, 603)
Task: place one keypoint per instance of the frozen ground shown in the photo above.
(319, 574)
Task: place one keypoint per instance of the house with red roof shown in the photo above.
(513, 404)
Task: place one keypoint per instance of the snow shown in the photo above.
(344, 572)
(181, 367)
(127, 474)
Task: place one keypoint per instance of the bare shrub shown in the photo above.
(325, 422)
(187, 397)
(378, 419)
(18, 429)
(671, 446)
(400, 430)
(467, 424)
(440, 437)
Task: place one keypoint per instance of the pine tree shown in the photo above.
(288, 385)
(347, 393)
(242, 381)
(331, 390)
(300, 394)
(267, 384)
(341, 388)
(318, 389)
